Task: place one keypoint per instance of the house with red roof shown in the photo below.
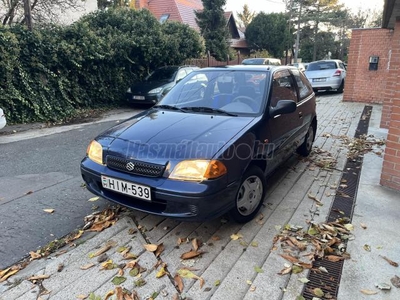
(183, 11)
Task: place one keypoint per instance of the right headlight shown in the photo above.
(156, 90)
(95, 152)
(198, 170)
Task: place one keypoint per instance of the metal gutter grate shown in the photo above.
(342, 206)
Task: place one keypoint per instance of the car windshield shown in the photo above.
(162, 74)
(253, 61)
(324, 65)
(225, 91)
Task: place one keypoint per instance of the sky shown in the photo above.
(269, 6)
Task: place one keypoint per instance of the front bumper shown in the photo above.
(182, 200)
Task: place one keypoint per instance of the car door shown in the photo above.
(306, 103)
(281, 131)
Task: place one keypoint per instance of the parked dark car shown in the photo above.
(157, 84)
(198, 157)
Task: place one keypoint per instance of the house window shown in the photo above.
(164, 18)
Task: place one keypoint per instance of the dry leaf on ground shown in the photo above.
(48, 210)
(191, 254)
(369, 292)
(39, 277)
(178, 282)
(391, 262)
(395, 281)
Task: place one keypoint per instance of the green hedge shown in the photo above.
(51, 72)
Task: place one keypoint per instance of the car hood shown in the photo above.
(146, 86)
(161, 135)
(320, 73)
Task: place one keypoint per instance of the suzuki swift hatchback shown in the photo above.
(196, 156)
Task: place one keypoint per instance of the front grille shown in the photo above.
(137, 167)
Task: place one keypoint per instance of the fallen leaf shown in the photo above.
(140, 282)
(369, 292)
(252, 288)
(391, 262)
(101, 250)
(185, 273)
(119, 293)
(296, 269)
(318, 292)
(334, 258)
(395, 281)
(94, 199)
(117, 280)
(285, 271)
(304, 280)
(300, 298)
(88, 266)
(134, 272)
(49, 210)
(367, 248)
(254, 244)
(195, 244)
(249, 282)
(159, 250)
(34, 255)
(81, 297)
(39, 277)
(235, 237)
(215, 238)
(8, 274)
(323, 269)
(258, 269)
(161, 272)
(150, 247)
(109, 294)
(191, 254)
(313, 197)
(363, 226)
(289, 258)
(178, 283)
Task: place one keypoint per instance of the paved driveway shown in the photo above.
(239, 261)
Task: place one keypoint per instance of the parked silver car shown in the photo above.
(326, 75)
(2, 119)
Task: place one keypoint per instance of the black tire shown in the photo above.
(306, 147)
(250, 196)
(341, 87)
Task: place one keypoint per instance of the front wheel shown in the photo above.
(250, 195)
(306, 147)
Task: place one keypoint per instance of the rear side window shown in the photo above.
(283, 88)
(302, 83)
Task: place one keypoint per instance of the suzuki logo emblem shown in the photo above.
(130, 166)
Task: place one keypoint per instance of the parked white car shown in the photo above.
(326, 75)
(3, 121)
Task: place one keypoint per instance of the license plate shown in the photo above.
(319, 79)
(127, 188)
(138, 97)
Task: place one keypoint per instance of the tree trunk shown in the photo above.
(315, 34)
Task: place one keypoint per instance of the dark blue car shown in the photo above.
(196, 156)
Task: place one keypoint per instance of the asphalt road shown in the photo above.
(38, 173)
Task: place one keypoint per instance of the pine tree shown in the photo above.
(213, 28)
(246, 16)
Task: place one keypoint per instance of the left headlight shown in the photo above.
(95, 152)
(156, 91)
(198, 170)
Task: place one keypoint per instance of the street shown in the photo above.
(43, 173)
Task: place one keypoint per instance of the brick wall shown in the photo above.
(363, 85)
(391, 164)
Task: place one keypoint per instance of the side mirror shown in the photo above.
(283, 107)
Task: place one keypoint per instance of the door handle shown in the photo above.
(300, 115)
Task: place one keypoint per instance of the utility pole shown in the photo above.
(28, 15)
(296, 54)
(290, 26)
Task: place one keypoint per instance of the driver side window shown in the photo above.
(282, 89)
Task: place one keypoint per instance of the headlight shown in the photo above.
(129, 90)
(95, 152)
(198, 170)
(155, 91)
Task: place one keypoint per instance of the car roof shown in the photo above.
(326, 60)
(271, 68)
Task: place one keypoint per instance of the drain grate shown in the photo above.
(342, 206)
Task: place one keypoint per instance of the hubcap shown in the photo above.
(249, 196)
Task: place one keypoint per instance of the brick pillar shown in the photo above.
(390, 176)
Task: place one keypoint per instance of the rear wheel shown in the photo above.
(341, 87)
(250, 195)
(306, 147)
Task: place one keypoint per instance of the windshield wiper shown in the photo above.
(209, 110)
(166, 106)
